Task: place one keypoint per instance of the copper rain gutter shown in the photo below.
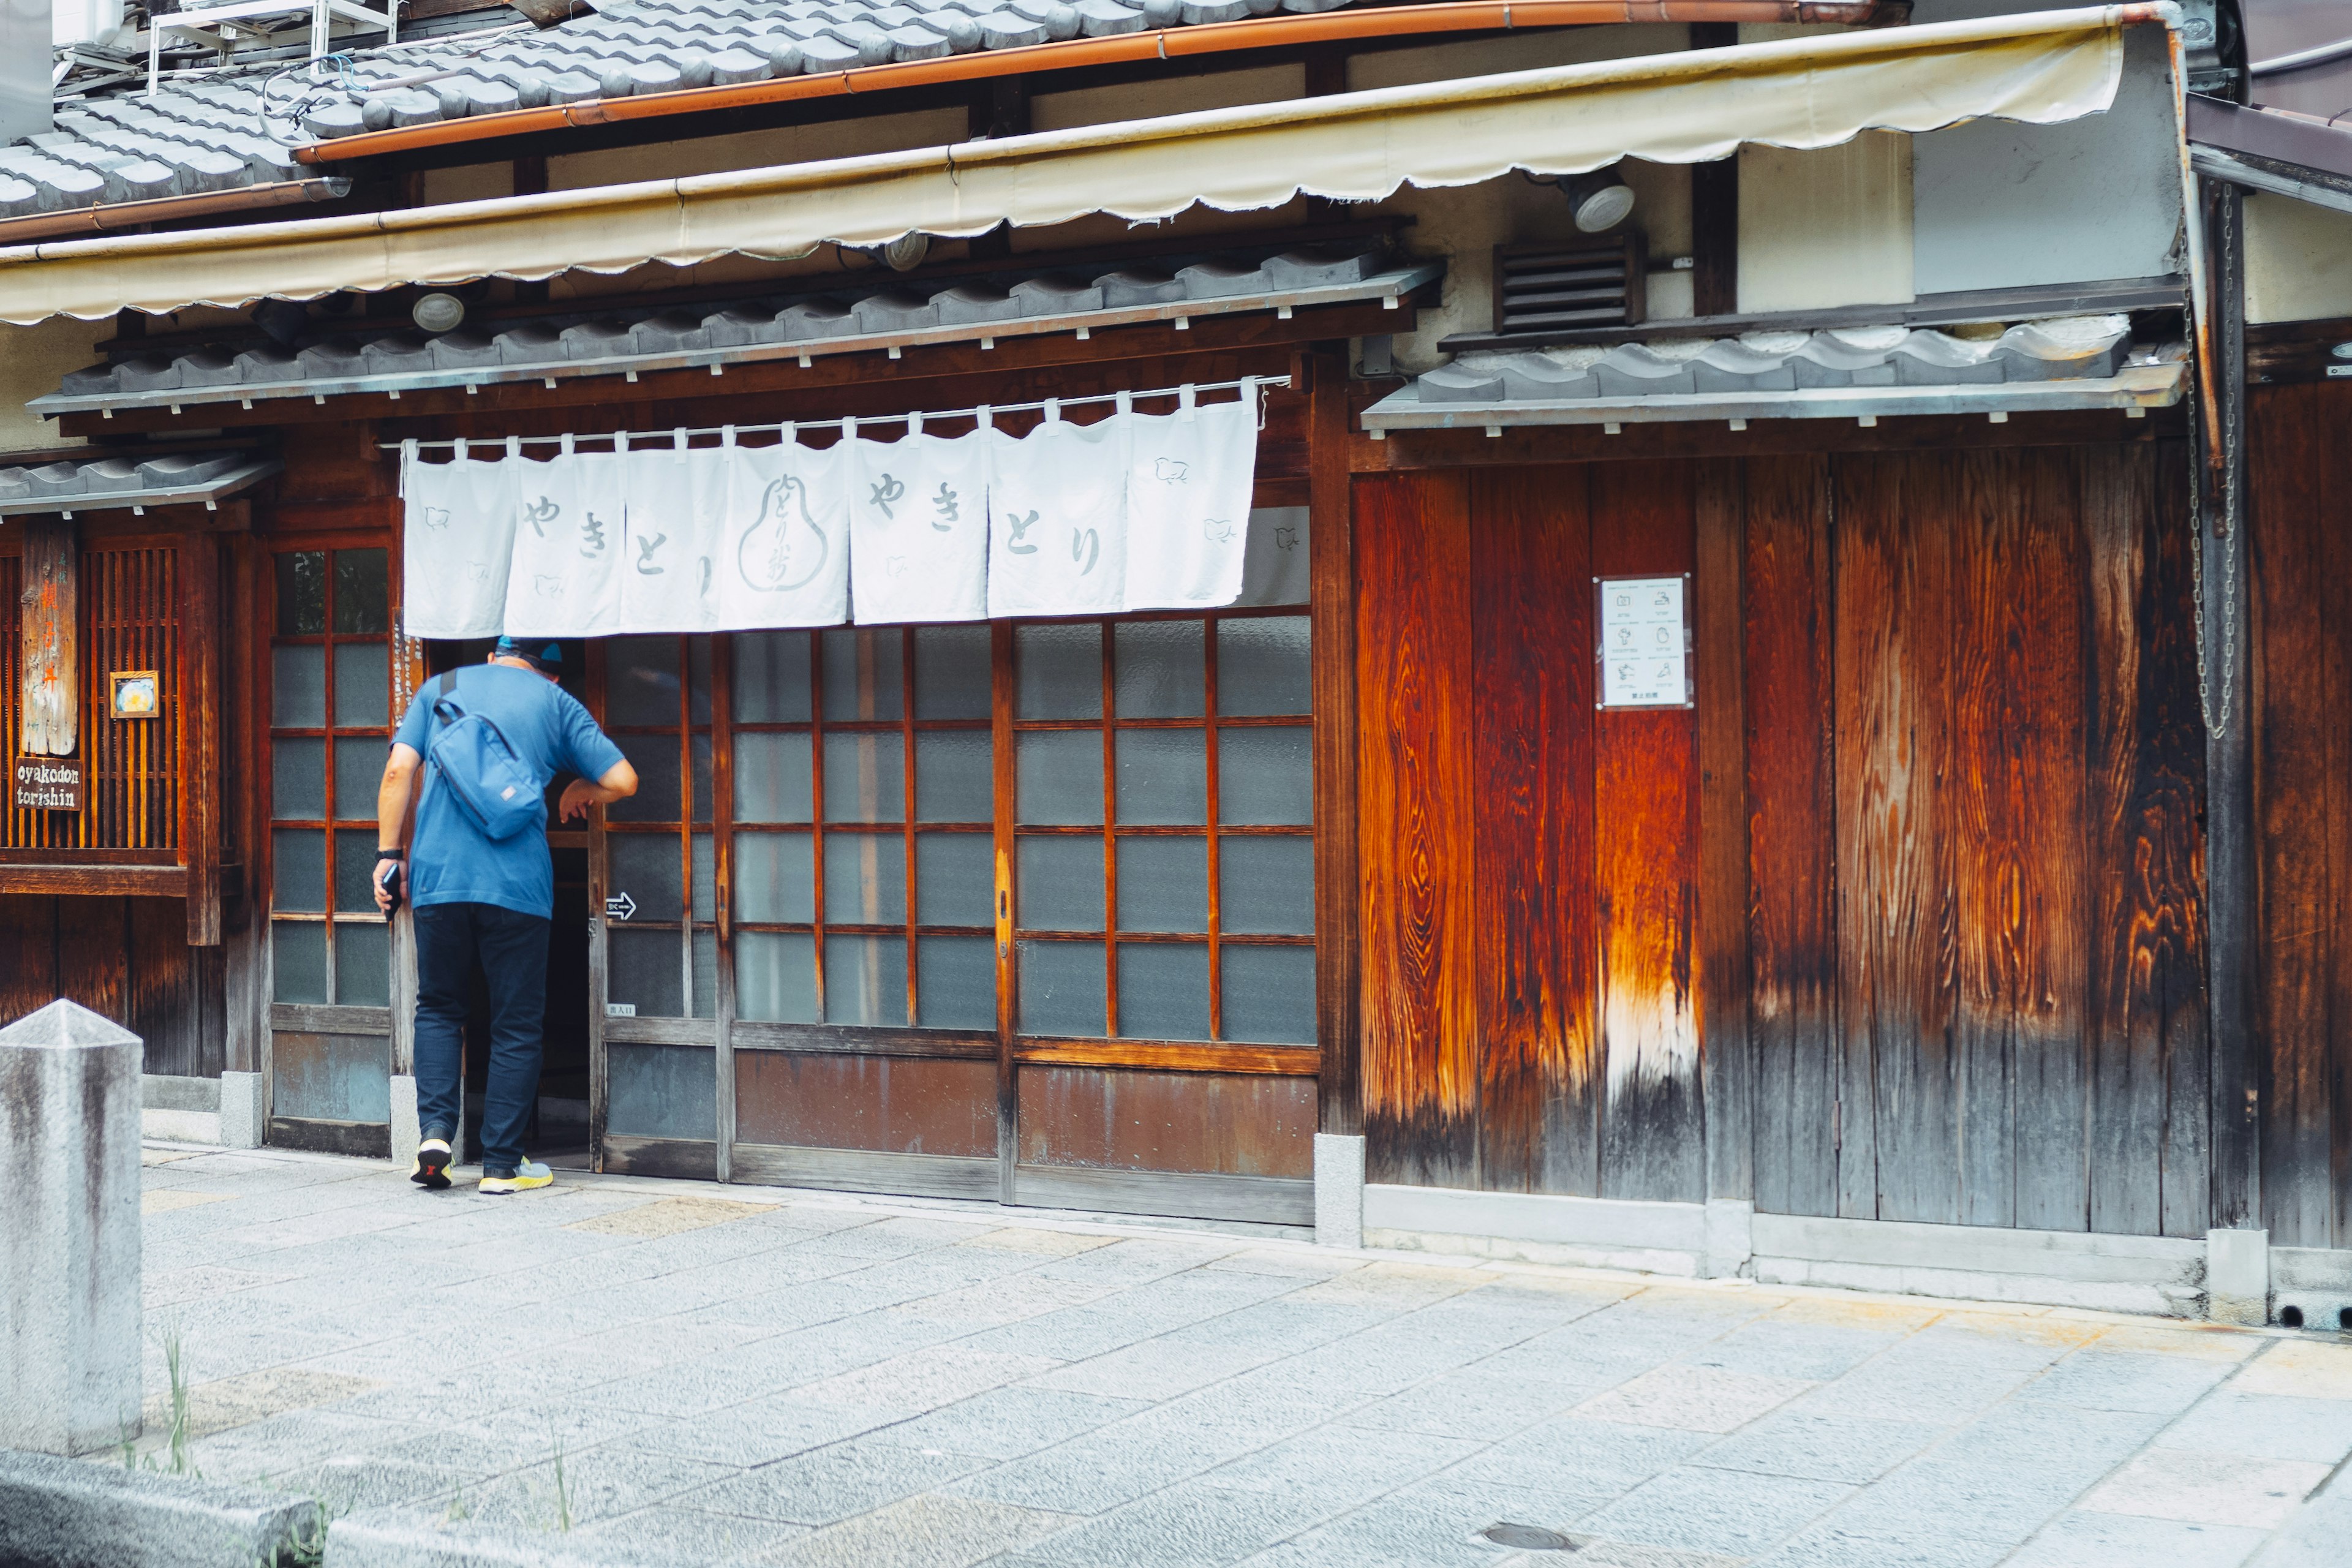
(1126, 49)
(169, 209)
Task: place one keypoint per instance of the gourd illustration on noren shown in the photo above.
(785, 548)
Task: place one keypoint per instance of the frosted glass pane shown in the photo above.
(1267, 885)
(955, 776)
(297, 777)
(645, 968)
(1157, 670)
(955, 982)
(1061, 987)
(772, 678)
(1060, 777)
(705, 975)
(955, 879)
(1163, 777)
(1060, 884)
(865, 879)
(1163, 991)
(951, 672)
(645, 867)
(697, 749)
(362, 685)
(866, 980)
(297, 869)
(658, 798)
(359, 776)
(355, 871)
(1267, 778)
(360, 597)
(864, 777)
(863, 673)
(298, 952)
(775, 878)
(1163, 884)
(1269, 995)
(1262, 666)
(1057, 672)
(776, 977)
(363, 964)
(771, 777)
(706, 878)
(297, 688)
(661, 1091)
(641, 683)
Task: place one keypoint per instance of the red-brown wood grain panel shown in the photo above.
(1899, 1137)
(1792, 819)
(1414, 840)
(901, 1105)
(1532, 670)
(1646, 803)
(2014, 840)
(1119, 1119)
(2148, 1155)
(2300, 474)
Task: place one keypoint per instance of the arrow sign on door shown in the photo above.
(620, 907)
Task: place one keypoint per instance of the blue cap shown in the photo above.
(548, 657)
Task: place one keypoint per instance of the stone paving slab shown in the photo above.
(685, 1372)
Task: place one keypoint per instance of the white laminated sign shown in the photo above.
(1641, 627)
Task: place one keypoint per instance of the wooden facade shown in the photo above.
(1906, 918)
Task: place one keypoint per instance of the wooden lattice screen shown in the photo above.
(130, 620)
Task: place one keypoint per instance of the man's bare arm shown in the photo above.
(391, 798)
(619, 783)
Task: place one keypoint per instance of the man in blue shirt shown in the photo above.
(489, 898)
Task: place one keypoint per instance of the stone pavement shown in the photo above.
(748, 1375)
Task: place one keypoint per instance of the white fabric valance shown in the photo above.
(1134, 511)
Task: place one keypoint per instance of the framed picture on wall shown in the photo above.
(134, 694)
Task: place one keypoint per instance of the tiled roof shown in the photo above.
(865, 313)
(101, 484)
(2073, 347)
(2081, 361)
(204, 132)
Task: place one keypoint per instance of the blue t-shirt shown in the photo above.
(451, 860)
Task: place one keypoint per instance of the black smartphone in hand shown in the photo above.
(387, 877)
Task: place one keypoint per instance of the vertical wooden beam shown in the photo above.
(2234, 892)
(1004, 783)
(722, 872)
(1330, 534)
(1726, 1063)
(1715, 207)
(49, 615)
(198, 720)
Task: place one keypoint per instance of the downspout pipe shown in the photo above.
(1127, 49)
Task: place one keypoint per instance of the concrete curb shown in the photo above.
(79, 1513)
(413, 1537)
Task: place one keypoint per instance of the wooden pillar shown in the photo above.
(1714, 209)
(198, 697)
(1332, 567)
(2233, 902)
(52, 666)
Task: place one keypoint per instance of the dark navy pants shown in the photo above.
(512, 949)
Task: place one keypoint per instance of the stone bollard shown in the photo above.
(69, 1361)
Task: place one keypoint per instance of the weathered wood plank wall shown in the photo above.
(1973, 916)
(126, 958)
(2301, 536)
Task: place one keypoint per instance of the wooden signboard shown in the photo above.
(51, 663)
(49, 784)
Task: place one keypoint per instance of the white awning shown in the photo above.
(1683, 108)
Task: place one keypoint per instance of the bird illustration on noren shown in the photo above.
(785, 548)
